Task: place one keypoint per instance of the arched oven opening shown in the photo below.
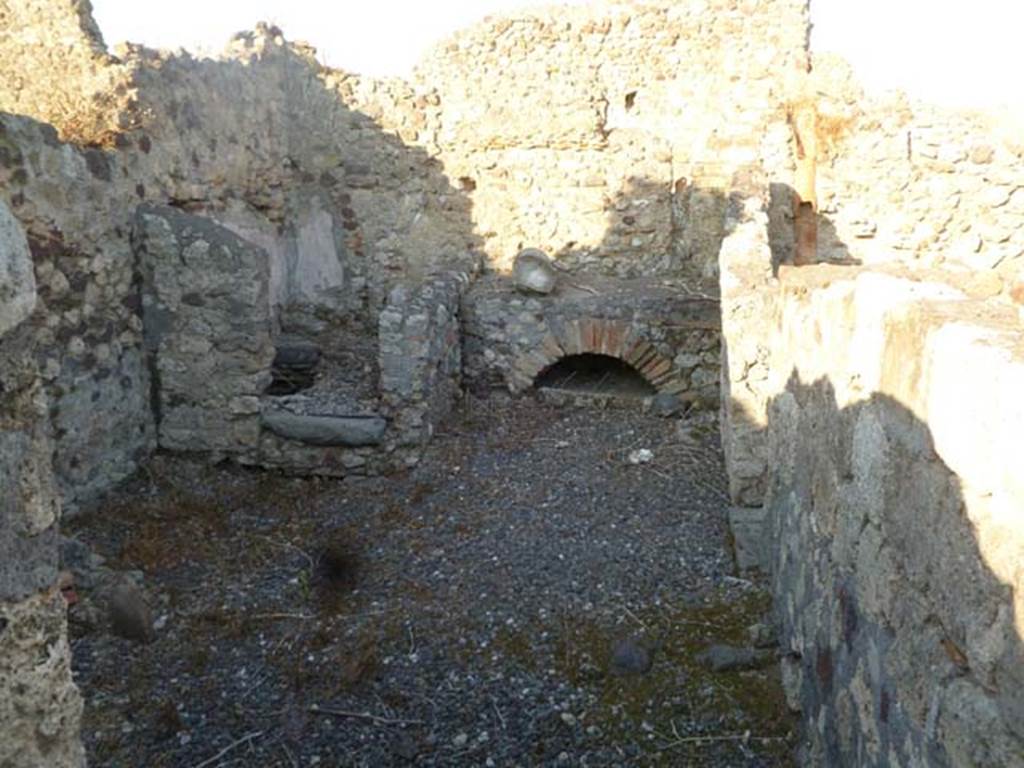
(594, 374)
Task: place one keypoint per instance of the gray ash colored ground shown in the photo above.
(467, 613)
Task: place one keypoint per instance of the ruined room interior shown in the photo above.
(364, 422)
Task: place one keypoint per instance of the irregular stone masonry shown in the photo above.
(209, 347)
(421, 358)
(893, 499)
(419, 361)
(669, 337)
(851, 411)
(667, 150)
(905, 181)
(211, 351)
(89, 338)
(40, 707)
(608, 135)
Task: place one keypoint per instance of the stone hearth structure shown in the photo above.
(669, 333)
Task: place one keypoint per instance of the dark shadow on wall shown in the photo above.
(253, 144)
(272, 131)
(657, 229)
(318, 175)
(888, 607)
(286, 154)
(901, 638)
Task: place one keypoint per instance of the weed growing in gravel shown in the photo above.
(680, 696)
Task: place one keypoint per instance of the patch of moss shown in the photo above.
(678, 690)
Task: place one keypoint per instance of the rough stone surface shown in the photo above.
(901, 180)
(88, 340)
(40, 707)
(421, 356)
(206, 314)
(665, 330)
(747, 287)
(893, 484)
(29, 506)
(326, 430)
(532, 272)
(17, 280)
(652, 111)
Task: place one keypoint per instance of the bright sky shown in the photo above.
(957, 52)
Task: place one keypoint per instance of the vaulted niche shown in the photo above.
(594, 374)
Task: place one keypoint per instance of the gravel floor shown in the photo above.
(526, 596)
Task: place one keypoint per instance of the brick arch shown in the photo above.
(581, 336)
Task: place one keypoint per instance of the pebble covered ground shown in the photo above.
(526, 596)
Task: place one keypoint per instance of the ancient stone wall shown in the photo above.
(89, 341)
(893, 502)
(40, 707)
(206, 323)
(901, 180)
(608, 135)
(666, 332)
(317, 167)
(421, 358)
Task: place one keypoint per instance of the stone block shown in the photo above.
(40, 707)
(750, 543)
(326, 430)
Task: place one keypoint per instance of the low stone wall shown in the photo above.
(421, 358)
(748, 298)
(206, 317)
(40, 707)
(894, 492)
(668, 332)
(210, 342)
(414, 384)
(77, 219)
